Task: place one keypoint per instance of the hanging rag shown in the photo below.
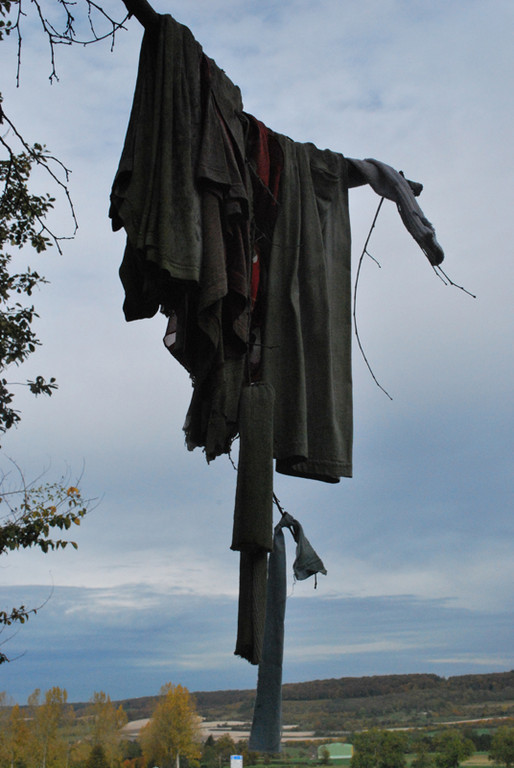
(389, 183)
(242, 237)
(266, 729)
(253, 515)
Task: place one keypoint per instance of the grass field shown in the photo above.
(479, 759)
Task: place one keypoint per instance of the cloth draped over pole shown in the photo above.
(241, 237)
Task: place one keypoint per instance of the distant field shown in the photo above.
(479, 759)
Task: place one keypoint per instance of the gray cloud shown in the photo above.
(130, 640)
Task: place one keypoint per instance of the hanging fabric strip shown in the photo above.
(267, 717)
(253, 516)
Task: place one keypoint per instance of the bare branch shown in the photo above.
(67, 34)
(441, 274)
(355, 325)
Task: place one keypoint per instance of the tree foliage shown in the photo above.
(173, 730)
(105, 723)
(452, 748)
(47, 733)
(23, 213)
(22, 216)
(97, 758)
(32, 513)
(381, 701)
(379, 749)
(48, 716)
(502, 747)
(14, 736)
(422, 757)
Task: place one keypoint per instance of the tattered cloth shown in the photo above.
(183, 193)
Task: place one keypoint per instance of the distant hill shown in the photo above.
(351, 703)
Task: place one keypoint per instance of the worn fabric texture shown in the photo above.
(154, 196)
(253, 515)
(388, 183)
(218, 319)
(267, 714)
(242, 237)
(267, 717)
(253, 579)
(307, 561)
(182, 194)
(307, 327)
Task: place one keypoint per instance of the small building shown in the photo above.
(338, 753)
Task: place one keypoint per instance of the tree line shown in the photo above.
(49, 733)
(46, 733)
(422, 687)
(387, 701)
(389, 749)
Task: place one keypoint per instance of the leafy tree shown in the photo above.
(325, 756)
(22, 217)
(42, 508)
(225, 746)
(105, 722)
(173, 732)
(130, 750)
(481, 739)
(393, 745)
(48, 716)
(379, 749)
(97, 757)
(22, 223)
(502, 747)
(209, 758)
(452, 748)
(422, 756)
(32, 513)
(249, 758)
(14, 737)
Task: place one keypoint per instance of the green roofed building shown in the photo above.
(338, 752)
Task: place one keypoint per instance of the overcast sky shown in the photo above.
(418, 545)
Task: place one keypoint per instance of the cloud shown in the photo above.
(189, 639)
(490, 662)
(326, 652)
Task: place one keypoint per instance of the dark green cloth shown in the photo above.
(253, 514)
(307, 328)
(387, 182)
(267, 716)
(253, 574)
(154, 196)
(183, 195)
